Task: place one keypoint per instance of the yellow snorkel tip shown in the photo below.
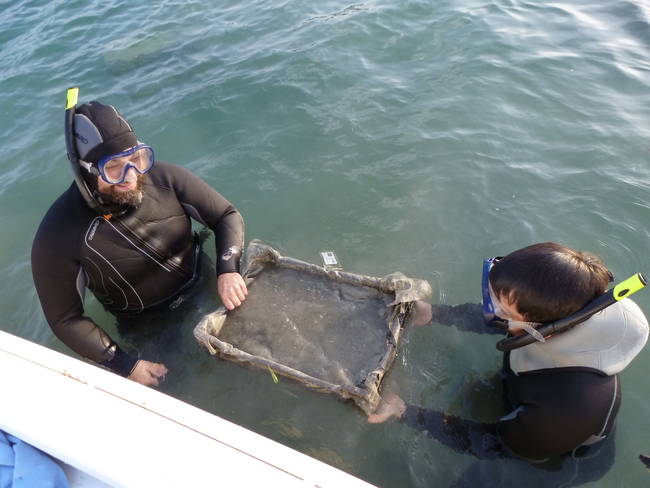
(71, 97)
(633, 284)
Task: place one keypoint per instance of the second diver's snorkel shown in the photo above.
(70, 104)
(622, 290)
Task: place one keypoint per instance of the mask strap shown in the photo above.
(90, 167)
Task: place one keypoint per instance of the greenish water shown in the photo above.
(407, 136)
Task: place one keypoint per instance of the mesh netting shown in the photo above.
(331, 330)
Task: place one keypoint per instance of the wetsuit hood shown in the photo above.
(99, 131)
(608, 342)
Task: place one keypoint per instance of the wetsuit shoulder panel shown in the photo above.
(207, 206)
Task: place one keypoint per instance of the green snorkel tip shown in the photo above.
(633, 284)
(71, 97)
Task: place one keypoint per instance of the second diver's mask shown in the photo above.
(494, 314)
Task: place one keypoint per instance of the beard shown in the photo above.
(132, 198)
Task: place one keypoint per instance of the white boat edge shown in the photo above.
(110, 431)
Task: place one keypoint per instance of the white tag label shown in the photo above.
(329, 258)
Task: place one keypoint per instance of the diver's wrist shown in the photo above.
(121, 363)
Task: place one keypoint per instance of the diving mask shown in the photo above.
(493, 312)
(113, 169)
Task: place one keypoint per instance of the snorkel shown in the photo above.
(623, 290)
(72, 96)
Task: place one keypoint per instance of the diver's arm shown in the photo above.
(476, 438)
(466, 316)
(87, 339)
(56, 279)
(209, 207)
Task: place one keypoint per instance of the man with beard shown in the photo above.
(123, 230)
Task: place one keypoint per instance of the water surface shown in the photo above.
(408, 136)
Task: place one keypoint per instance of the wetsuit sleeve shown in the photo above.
(466, 316)
(475, 438)
(207, 206)
(57, 278)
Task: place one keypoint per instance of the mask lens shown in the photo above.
(114, 168)
(488, 304)
(142, 159)
(496, 305)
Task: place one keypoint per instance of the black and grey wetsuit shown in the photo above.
(554, 411)
(558, 409)
(130, 261)
(562, 394)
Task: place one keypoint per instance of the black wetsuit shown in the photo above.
(131, 261)
(552, 411)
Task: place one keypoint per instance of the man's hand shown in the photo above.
(148, 373)
(390, 406)
(423, 314)
(232, 290)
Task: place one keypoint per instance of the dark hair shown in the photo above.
(549, 281)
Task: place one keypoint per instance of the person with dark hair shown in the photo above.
(563, 390)
(123, 230)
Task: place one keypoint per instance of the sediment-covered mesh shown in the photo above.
(328, 329)
(333, 331)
